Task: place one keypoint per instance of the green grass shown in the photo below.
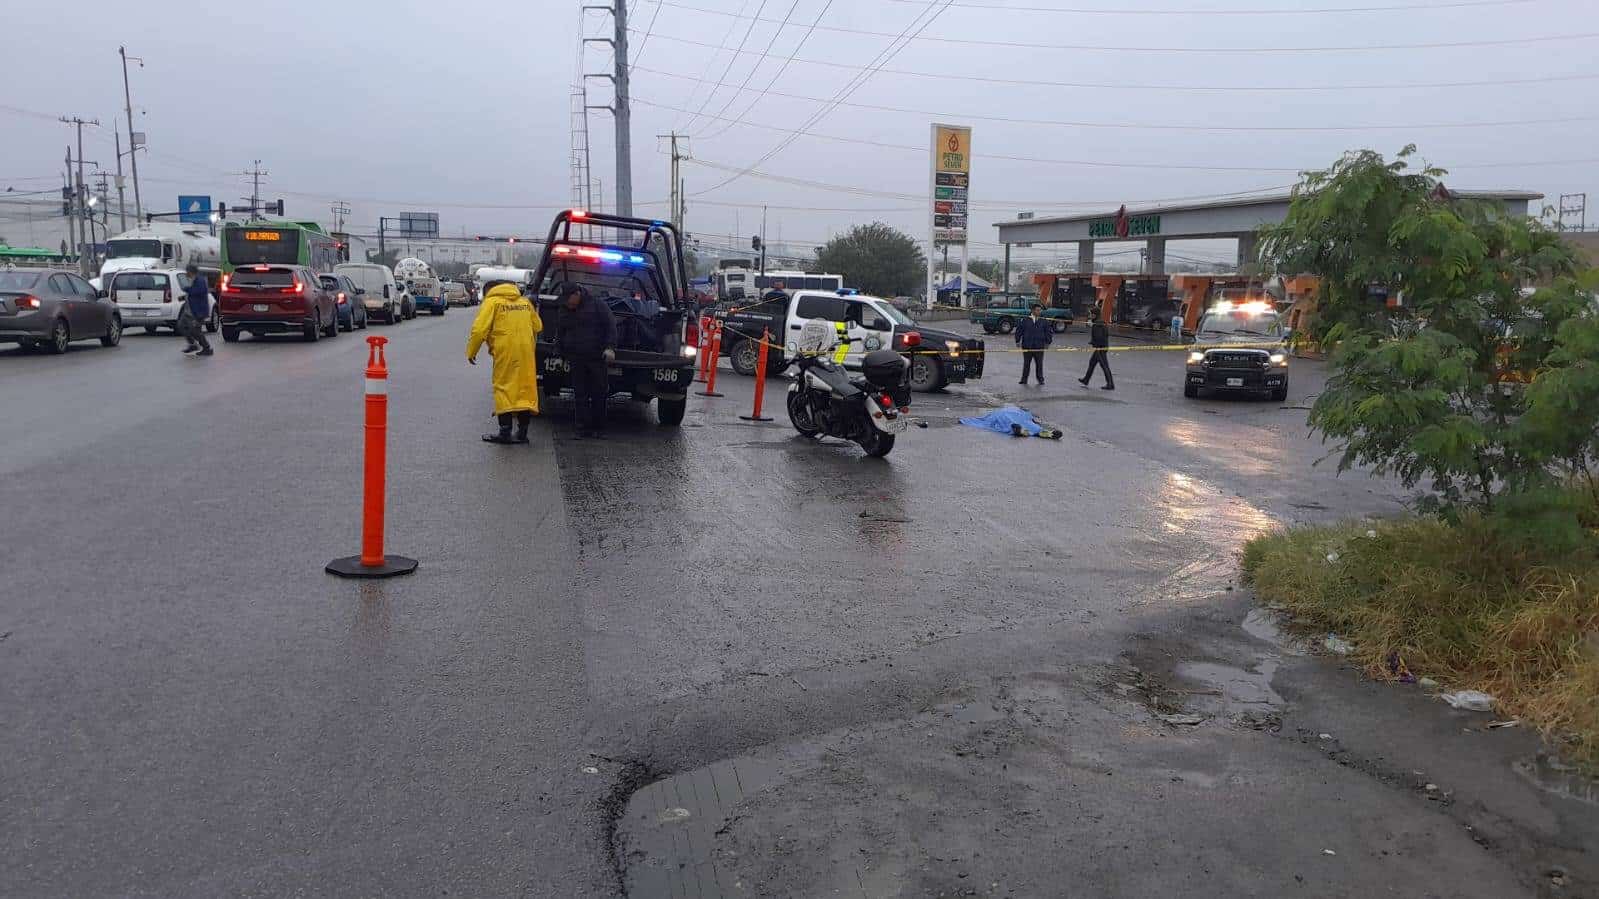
(1458, 603)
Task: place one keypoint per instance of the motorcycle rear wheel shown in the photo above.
(877, 444)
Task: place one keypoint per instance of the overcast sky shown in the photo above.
(463, 107)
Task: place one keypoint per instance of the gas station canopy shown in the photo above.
(1238, 218)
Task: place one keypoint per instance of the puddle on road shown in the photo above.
(668, 830)
(1238, 689)
(1559, 778)
(1264, 625)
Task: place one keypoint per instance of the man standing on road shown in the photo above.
(776, 293)
(585, 332)
(509, 323)
(1099, 339)
(196, 309)
(1033, 334)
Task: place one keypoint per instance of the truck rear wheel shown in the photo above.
(1058, 325)
(1007, 325)
(744, 357)
(670, 412)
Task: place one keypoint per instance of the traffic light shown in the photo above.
(275, 208)
(755, 242)
(222, 210)
(66, 201)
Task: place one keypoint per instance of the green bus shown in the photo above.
(278, 243)
(34, 255)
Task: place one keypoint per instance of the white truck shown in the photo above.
(162, 245)
(426, 290)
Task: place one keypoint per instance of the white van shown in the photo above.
(382, 297)
(152, 298)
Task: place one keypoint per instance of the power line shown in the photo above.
(710, 63)
(883, 57)
(731, 61)
(726, 126)
(1100, 163)
(1251, 128)
(1104, 48)
(1322, 10)
(647, 32)
(748, 76)
(1185, 87)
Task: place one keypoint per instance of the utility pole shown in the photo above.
(79, 192)
(340, 209)
(675, 187)
(69, 209)
(255, 174)
(623, 116)
(122, 199)
(621, 110)
(133, 143)
(763, 241)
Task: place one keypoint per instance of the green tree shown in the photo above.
(990, 270)
(877, 259)
(1431, 391)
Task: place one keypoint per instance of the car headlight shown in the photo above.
(1196, 356)
(690, 351)
(954, 347)
(1279, 358)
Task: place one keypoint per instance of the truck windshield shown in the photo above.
(894, 315)
(125, 249)
(1240, 321)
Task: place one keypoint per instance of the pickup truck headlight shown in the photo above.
(954, 347)
(1195, 357)
(690, 351)
(1280, 359)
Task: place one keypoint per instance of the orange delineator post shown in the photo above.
(760, 379)
(372, 562)
(716, 357)
(706, 323)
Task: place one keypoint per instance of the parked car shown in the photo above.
(346, 301)
(382, 298)
(277, 299)
(50, 308)
(153, 298)
(407, 301)
(455, 294)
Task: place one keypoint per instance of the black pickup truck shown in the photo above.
(638, 272)
(938, 358)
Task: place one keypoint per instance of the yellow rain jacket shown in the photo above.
(509, 323)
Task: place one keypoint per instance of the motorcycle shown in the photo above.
(871, 409)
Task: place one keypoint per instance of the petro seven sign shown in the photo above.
(952, 175)
(1124, 226)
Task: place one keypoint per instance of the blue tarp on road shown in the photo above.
(1005, 420)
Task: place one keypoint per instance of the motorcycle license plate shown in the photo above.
(897, 425)
(1235, 382)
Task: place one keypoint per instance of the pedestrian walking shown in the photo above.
(196, 310)
(1176, 327)
(1099, 339)
(585, 332)
(1034, 334)
(509, 324)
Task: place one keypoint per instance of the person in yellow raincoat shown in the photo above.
(509, 323)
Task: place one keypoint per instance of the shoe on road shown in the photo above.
(1083, 381)
(206, 352)
(191, 348)
(497, 438)
(1108, 387)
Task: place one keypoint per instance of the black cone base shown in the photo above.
(350, 566)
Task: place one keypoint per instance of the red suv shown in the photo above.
(277, 299)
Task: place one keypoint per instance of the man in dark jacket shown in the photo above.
(1099, 339)
(1033, 334)
(196, 309)
(585, 334)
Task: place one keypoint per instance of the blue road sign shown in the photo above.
(196, 209)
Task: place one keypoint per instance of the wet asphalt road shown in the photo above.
(194, 708)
